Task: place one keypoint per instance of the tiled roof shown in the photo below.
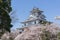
(30, 19)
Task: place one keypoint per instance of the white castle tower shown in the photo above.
(35, 17)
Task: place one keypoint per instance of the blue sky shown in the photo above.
(22, 9)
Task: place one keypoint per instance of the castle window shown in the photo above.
(37, 21)
(25, 24)
(32, 22)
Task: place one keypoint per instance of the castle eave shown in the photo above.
(29, 21)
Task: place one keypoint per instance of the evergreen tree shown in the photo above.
(5, 20)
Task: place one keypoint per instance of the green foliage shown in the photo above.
(58, 36)
(11, 38)
(45, 35)
(44, 22)
(5, 9)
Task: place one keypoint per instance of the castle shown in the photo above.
(35, 17)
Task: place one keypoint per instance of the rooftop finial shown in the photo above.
(35, 8)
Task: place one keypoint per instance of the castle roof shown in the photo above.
(29, 20)
(33, 16)
(36, 10)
